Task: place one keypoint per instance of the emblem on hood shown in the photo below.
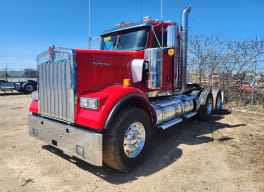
(98, 63)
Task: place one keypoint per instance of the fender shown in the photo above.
(121, 103)
(33, 106)
(110, 101)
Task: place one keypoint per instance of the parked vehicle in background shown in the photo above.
(26, 87)
(103, 105)
(244, 87)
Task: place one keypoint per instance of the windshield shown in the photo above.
(131, 40)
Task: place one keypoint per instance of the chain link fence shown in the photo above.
(13, 74)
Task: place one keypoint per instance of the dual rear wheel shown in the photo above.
(210, 102)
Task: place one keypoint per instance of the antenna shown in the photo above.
(161, 23)
(161, 10)
(89, 39)
(141, 5)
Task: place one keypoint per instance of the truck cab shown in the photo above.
(103, 105)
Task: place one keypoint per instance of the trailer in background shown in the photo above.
(26, 87)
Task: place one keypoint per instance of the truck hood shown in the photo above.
(97, 69)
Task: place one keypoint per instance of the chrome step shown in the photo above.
(170, 123)
(191, 114)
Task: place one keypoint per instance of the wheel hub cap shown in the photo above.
(209, 107)
(29, 88)
(134, 139)
(219, 104)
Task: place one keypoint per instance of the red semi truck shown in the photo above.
(103, 105)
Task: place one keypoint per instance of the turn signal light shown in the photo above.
(35, 95)
(126, 82)
(171, 52)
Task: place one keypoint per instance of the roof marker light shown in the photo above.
(147, 19)
(123, 24)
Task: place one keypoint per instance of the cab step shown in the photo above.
(191, 114)
(170, 123)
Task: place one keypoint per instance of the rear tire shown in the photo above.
(127, 140)
(218, 102)
(197, 92)
(206, 105)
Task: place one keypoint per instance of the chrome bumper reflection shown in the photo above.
(68, 138)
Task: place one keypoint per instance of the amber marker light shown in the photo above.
(123, 24)
(148, 20)
(126, 82)
(171, 52)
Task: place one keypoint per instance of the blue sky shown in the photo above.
(28, 27)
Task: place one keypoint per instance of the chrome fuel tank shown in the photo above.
(174, 107)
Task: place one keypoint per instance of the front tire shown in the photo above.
(127, 140)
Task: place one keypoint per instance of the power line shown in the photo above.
(231, 62)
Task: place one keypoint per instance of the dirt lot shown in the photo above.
(223, 154)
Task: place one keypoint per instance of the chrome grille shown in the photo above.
(57, 85)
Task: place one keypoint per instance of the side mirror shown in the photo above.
(172, 36)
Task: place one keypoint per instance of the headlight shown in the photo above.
(91, 103)
(35, 95)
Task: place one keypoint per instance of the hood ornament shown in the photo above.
(51, 51)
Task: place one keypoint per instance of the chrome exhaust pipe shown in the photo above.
(185, 14)
(184, 46)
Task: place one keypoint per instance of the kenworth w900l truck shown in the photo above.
(103, 105)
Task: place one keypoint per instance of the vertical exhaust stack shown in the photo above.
(184, 46)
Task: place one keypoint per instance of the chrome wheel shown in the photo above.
(29, 88)
(209, 106)
(134, 140)
(219, 103)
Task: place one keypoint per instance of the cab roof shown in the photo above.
(135, 25)
(125, 27)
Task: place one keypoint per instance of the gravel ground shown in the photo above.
(223, 154)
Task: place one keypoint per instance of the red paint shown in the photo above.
(33, 106)
(97, 69)
(100, 74)
(108, 97)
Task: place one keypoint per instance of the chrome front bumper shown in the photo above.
(81, 143)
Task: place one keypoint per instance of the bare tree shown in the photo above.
(206, 51)
(214, 54)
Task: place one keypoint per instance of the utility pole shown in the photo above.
(6, 73)
(141, 7)
(254, 78)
